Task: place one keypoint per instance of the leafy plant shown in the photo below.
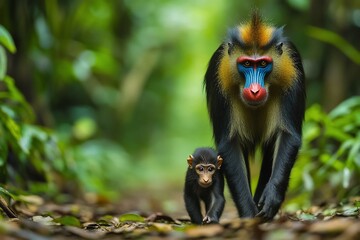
(27, 152)
(329, 163)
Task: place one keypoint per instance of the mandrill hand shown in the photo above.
(207, 220)
(270, 202)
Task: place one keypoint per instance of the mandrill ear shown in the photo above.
(190, 160)
(219, 162)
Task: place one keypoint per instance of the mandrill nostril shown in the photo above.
(255, 88)
(254, 91)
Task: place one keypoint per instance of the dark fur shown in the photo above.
(194, 193)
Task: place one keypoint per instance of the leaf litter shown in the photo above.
(36, 219)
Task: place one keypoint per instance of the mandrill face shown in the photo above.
(254, 70)
(255, 60)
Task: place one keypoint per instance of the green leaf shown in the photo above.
(30, 133)
(306, 217)
(131, 217)
(11, 126)
(5, 192)
(68, 221)
(349, 211)
(16, 95)
(354, 152)
(345, 107)
(311, 131)
(6, 40)
(337, 134)
(3, 63)
(330, 212)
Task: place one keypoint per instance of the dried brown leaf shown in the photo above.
(211, 230)
(85, 234)
(336, 225)
(161, 227)
(352, 232)
(33, 199)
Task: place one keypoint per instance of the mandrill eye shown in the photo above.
(263, 63)
(246, 63)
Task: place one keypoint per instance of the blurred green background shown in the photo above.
(106, 98)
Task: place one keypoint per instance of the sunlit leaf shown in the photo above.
(306, 217)
(329, 212)
(44, 220)
(337, 134)
(346, 177)
(349, 211)
(131, 217)
(3, 63)
(16, 95)
(315, 113)
(345, 107)
(5, 192)
(308, 181)
(11, 126)
(354, 152)
(345, 146)
(34, 199)
(31, 133)
(6, 40)
(311, 131)
(68, 221)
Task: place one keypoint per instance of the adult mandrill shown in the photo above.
(256, 98)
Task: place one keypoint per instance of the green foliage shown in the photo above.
(33, 150)
(68, 221)
(7, 42)
(131, 217)
(120, 82)
(336, 40)
(103, 159)
(329, 163)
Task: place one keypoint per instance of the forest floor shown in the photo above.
(39, 219)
